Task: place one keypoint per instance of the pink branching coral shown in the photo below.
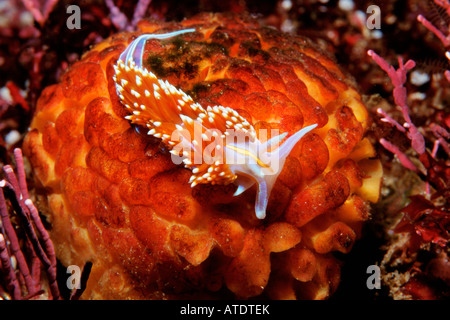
(40, 11)
(398, 78)
(444, 37)
(120, 20)
(36, 254)
(425, 221)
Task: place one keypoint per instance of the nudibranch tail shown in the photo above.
(185, 127)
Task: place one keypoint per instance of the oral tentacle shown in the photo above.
(243, 183)
(286, 148)
(273, 142)
(262, 198)
(277, 159)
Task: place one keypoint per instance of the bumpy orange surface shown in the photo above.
(114, 197)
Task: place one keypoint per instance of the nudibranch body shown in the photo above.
(185, 126)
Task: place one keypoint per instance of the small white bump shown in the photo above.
(138, 80)
(172, 89)
(162, 84)
(187, 119)
(135, 93)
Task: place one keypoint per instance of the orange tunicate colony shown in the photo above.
(114, 197)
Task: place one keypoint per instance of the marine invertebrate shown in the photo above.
(115, 197)
(168, 112)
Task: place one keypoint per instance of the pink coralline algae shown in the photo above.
(32, 256)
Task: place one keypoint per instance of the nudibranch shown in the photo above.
(173, 116)
(153, 153)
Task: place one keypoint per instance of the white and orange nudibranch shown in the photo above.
(184, 126)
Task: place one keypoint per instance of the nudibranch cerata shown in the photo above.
(185, 126)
